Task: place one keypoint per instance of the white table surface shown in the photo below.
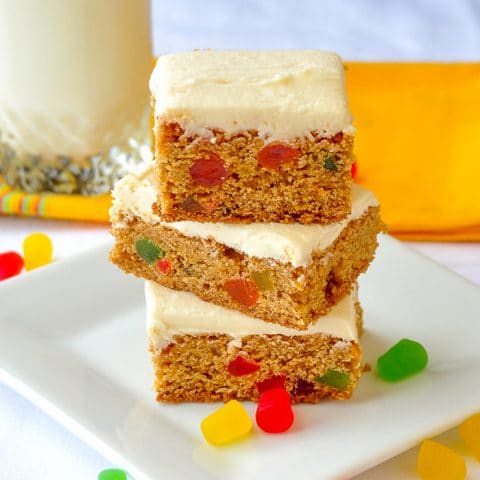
(29, 440)
(33, 445)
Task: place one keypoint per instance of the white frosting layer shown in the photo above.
(282, 94)
(134, 195)
(171, 313)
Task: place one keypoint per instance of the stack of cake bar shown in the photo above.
(248, 228)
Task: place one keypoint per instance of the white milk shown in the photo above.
(73, 74)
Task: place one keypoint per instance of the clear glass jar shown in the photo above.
(74, 101)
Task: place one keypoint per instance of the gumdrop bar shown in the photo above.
(244, 137)
(203, 352)
(282, 273)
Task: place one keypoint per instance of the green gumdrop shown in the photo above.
(334, 379)
(329, 163)
(112, 474)
(148, 251)
(404, 359)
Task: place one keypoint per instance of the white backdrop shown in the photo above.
(357, 29)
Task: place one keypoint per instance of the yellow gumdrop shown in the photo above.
(37, 250)
(438, 462)
(470, 432)
(227, 424)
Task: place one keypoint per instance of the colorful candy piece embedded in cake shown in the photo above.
(147, 250)
(438, 462)
(113, 474)
(37, 250)
(242, 291)
(241, 366)
(470, 432)
(404, 359)
(11, 264)
(263, 280)
(274, 155)
(164, 265)
(252, 130)
(335, 379)
(303, 387)
(191, 205)
(227, 424)
(274, 411)
(208, 171)
(329, 162)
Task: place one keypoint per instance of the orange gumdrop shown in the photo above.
(243, 291)
(274, 155)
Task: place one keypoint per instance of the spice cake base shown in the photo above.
(241, 179)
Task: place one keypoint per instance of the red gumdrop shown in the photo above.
(208, 171)
(274, 411)
(11, 264)
(337, 138)
(274, 155)
(243, 291)
(277, 381)
(353, 169)
(241, 366)
(164, 265)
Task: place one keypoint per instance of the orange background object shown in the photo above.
(418, 145)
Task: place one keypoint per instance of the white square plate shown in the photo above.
(72, 339)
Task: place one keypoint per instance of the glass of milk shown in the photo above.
(74, 96)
